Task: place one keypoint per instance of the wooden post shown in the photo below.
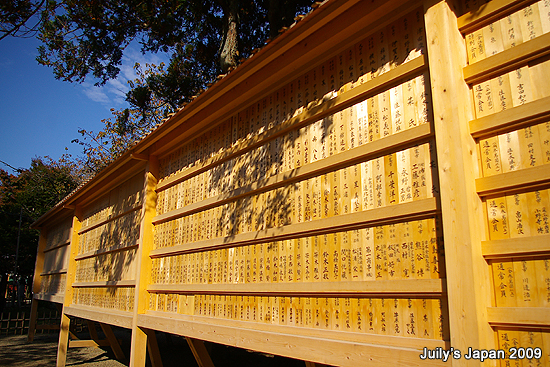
(113, 342)
(38, 267)
(468, 280)
(199, 352)
(32, 322)
(153, 348)
(92, 330)
(71, 269)
(143, 263)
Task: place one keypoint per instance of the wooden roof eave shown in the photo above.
(127, 161)
(303, 44)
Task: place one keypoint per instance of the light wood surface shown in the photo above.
(310, 347)
(468, 289)
(380, 191)
(379, 287)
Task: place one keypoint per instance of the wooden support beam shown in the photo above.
(468, 286)
(199, 352)
(140, 336)
(139, 157)
(113, 342)
(71, 271)
(92, 330)
(531, 178)
(488, 13)
(388, 288)
(54, 298)
(512, 119)
(516, 247)
(32, 322)
(54, 272)
(63, 343)
(88, 343)
(138, 350)
(103, 284)
(203, 325)
(56, 246)
(507, 60)
(153, 348)
(519, 316)
(107, 250)
(107, 220)
(113, 317)
(325, 350)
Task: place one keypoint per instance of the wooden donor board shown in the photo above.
(515, 215)
(250, 237)
(105, 263)
(55, 257)
(381, 197)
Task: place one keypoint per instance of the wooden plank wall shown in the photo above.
(334, 219)
(53, 277)
(104, 259)
(508, 46)
(313, 211)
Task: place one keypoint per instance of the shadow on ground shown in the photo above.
(16, 352)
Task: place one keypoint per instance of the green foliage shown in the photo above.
(30, 193)
(22, 18)
(82, 38)
(127, 126)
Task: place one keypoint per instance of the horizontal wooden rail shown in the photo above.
(378, 339)
(106, 250)
(312, 114)
(88, 343)
(54, 247)
(519, 316)
(110, 219)
(105, 316)
(386, 215)
(322, 346)
(104, 284)
(488, 13)
(516, 247)
(529, 178)
(375, 149)
(507, 60)
(54, 272)
(512, 119)
(415, 287)
(50, 297)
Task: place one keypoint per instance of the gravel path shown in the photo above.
(16, 352)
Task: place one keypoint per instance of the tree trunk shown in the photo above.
(274, 17)
(230, 43)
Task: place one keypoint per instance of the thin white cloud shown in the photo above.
(113, 94)
(96, 94)
(118, 89)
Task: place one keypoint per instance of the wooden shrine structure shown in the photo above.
(372, 182)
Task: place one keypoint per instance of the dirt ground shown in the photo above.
(16, 352)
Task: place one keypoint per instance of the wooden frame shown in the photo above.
(335, 207)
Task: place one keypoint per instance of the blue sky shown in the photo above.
(39, 115)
